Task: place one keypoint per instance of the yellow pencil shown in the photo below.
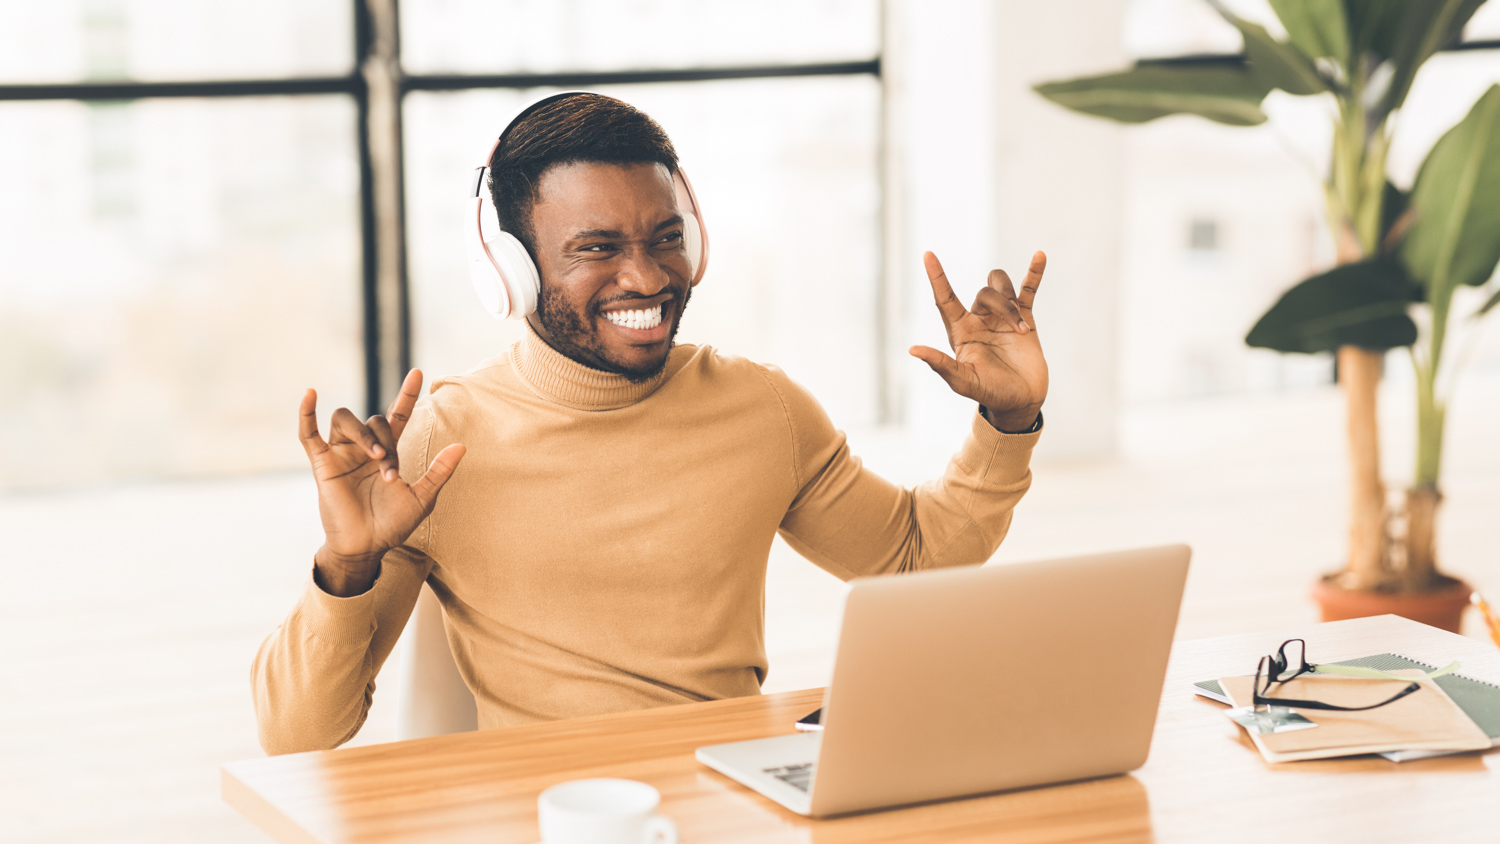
(1489, 616)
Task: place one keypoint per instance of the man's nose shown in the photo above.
(642, 273)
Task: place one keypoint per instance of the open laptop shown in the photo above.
(966, 681)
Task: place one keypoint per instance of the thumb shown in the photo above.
(946, 367)
(426, 488)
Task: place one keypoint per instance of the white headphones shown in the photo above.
(503, 273)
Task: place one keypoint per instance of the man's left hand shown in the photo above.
(997, 359)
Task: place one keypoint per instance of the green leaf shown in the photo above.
(1455, 237)
(1426, 27)
(1375, 25)
(1317, 27)
(1220, 91)
(1277, 63)
(1360, 304)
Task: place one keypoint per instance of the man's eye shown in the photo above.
(671, 239)
(598, 247)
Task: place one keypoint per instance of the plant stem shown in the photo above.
(1367, 212)
(1356, 193)
(1422, 499)
(1348, 160)
(1420, 572)
(1369, 553)
(1431, 411)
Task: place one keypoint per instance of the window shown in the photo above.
(791, 204)
(208, 203)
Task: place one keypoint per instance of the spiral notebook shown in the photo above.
(1478, 699)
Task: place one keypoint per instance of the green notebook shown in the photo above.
(1478, 699)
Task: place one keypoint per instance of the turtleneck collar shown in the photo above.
(566, 381)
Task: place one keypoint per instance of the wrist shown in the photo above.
(345, 576)
(1016, 421)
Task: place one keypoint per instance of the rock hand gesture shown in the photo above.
(365, 506)
(997, 359)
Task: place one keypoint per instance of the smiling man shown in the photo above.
(640, 307)
(603, 546)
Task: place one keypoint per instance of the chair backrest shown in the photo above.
(432, 698)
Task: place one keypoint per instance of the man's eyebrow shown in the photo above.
(606, 234)
(616, 234)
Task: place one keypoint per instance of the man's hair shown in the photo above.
(582, 127)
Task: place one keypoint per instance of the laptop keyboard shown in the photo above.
(796, 776)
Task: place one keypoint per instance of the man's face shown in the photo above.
(615, 274)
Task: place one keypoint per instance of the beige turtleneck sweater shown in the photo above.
(603, 545)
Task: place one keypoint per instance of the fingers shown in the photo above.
(400, 410)
(1031, 282)
(948, 305)
(999, 281)
(390, 468)
(946, 367)
(346, 429)
(998, 297)
(426, 488)
(307, 425)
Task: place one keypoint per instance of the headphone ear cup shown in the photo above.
(692, 241)
(504, 277)
(522, 282)
(694, 234)
(483, 271)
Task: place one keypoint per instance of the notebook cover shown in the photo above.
(1427, 720)
(1478, 699)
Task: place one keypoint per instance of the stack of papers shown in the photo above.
(1450, 714)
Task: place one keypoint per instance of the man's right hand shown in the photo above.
(366, 508)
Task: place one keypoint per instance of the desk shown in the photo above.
(1204, 781)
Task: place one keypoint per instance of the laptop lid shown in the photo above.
(964, 681)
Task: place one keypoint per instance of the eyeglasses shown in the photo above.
(1267, 715)
(1278, 668)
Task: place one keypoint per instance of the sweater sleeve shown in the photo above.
(853, 523)
(313, 678)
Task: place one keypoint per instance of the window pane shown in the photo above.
(74, 40)
(513, 36)
(177, 273)
(792, 210)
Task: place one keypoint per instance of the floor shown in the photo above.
(124, 652)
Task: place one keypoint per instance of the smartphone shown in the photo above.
(812, 722)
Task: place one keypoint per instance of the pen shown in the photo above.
(1489, 616)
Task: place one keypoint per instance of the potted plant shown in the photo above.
(1399, 252)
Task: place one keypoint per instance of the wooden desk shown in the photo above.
(1204, 780)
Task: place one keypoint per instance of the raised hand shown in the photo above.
(997, 359)
(365, 506)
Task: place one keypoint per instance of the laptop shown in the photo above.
(967, 681)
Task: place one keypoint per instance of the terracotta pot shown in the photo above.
(1442, 607)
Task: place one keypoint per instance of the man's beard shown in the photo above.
(577, 339)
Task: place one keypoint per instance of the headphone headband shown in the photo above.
(484, 165)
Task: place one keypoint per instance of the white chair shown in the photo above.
(432, 699)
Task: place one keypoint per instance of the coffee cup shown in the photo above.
(603, 811)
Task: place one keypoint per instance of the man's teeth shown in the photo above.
(644, 319)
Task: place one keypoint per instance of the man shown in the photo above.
(604, 547)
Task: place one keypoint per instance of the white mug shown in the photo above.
(603, 811)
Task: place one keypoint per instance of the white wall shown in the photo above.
(992, 172)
